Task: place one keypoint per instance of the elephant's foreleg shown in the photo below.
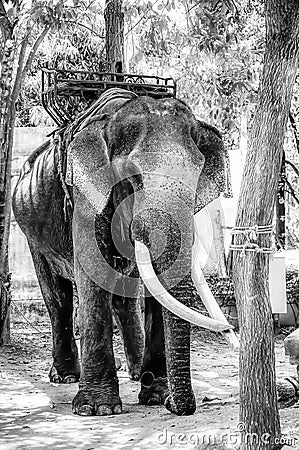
(58, 296)
(181, 399)
(98, 386)
(153, 374)
(128, 316)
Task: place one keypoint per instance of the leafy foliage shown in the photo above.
(75, 41)
(213, 48)
(291, 148)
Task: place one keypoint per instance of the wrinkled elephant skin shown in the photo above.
(139, 171)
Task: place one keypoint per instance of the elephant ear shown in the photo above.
(215, 176)
(88, 166)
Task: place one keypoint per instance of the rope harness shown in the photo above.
(251, 235)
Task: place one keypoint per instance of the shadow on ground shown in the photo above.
(35, 414)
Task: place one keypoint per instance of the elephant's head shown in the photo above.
(158, 165)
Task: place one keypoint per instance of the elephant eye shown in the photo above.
(131, 171)
(136, 181)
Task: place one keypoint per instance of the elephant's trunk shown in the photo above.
(181, 400)
(163, 244)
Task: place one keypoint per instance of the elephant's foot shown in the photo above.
(65, 375)
(153, 390)
(183, 405)
(88, 403)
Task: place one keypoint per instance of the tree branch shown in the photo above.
(86, 27)
(34, 49)
(23, 66)
(141, 18)
(188, 15)
(18, 77)
(293, 167)
(292, 192)
(294, 128)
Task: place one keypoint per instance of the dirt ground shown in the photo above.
(35, 414)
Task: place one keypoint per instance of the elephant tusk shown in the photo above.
(210, 302)
(154, 286)
(212, 306)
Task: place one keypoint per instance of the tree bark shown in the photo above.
(114, 24)
(258, 402)
(6, 136)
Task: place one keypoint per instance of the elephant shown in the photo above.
(109, 199)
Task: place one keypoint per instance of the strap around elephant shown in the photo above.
(62, 137)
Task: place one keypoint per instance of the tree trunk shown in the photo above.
(7, 120)
(258, 402)
(114, 24)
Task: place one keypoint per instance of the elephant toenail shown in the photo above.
(117, 409)
(135, 377)
(53, 375)
(70, 379)
(56, 379)
(85, 410)
(104, 410)
(167, 402)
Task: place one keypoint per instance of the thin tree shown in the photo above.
(114, 25)
(7, 58)
(258, 401)
(12, 50)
